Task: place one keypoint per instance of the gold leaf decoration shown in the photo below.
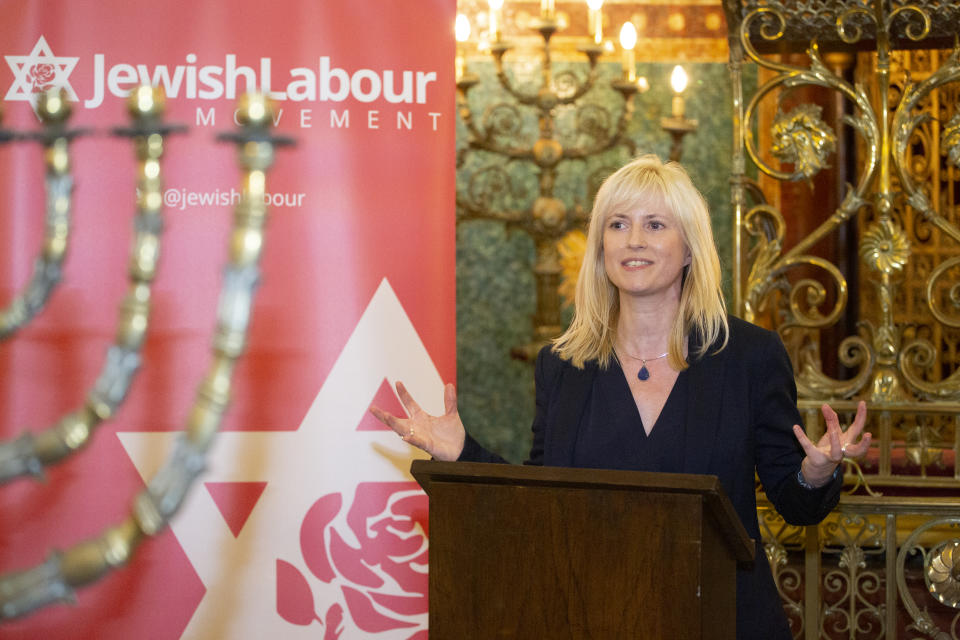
(885, 247)
(803, 139)
(942, 573)
(950, 139)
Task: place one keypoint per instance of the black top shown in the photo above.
(611, 433)
(742, 405)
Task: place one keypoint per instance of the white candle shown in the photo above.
(495, 6)
(628, 40)
(596, 19)
(678, 81)
(461, 31)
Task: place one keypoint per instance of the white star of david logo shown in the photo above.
(39, 71)
(326, 454)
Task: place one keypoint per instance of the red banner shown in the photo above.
(306, 521)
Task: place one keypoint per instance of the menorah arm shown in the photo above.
(485, 139)
(616, 137)
(468, 211)
(611, 141)
(54, 111)
(56, 579)
(28, 455)
(18, 457)
(514, 153)
(582, 88)
(31, 452)
(26, 591)
(523, 98)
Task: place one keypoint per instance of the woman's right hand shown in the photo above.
(440, 436)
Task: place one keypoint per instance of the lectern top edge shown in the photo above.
(428, 472)
(433, 470)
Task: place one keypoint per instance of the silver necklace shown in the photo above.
(644, 373)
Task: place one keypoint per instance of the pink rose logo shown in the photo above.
(41, 77)
(380, 569)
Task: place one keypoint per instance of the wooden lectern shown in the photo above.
(551, 553)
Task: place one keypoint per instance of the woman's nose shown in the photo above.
(637, 237)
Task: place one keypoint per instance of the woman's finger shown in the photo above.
(829, 416)
(856, 450)
(836, 444)
(388, 419)
(858, 421)
(407, 400)
(450, 398)
(808, 447)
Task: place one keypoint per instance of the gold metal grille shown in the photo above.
(848, 244)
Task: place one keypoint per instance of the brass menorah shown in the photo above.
(56, 579)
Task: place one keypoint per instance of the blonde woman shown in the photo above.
(652, 375)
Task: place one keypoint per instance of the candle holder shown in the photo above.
(677, 127)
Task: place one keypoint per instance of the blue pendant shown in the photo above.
(643, 374)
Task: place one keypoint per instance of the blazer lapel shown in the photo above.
(564, 421)
(703, 411)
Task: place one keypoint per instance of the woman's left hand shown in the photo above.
(824, 456)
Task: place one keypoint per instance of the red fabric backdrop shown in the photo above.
(307, 522)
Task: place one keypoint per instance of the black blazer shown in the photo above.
(743, 407)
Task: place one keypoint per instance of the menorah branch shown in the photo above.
(73, 431)
(55, 580)
(54, 112)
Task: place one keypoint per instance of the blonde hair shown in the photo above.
(702, 312)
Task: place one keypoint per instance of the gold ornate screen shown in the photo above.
(846, 193)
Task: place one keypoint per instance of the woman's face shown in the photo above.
(643, 251)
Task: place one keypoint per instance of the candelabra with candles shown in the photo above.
(595, 131)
